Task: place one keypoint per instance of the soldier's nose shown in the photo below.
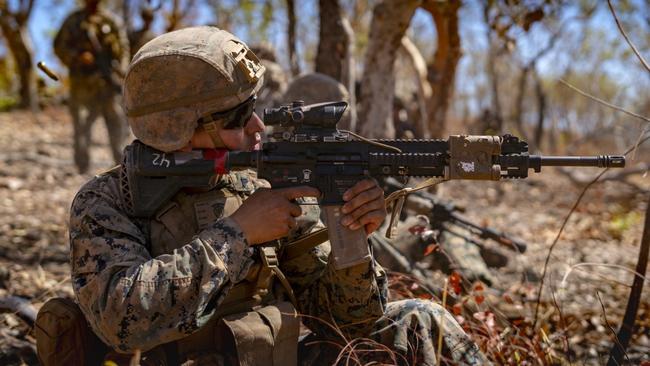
(254, 125)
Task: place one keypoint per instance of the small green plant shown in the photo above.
(7, 103)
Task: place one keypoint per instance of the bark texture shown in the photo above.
(334, 57)
(442, 69)
(419, 68)
(390, 20)
(14, 29)
(291, 39)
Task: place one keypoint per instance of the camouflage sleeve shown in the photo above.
(351, 299)
(64, 41)
(119, 43)
(134, 301)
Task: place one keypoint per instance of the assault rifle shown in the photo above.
(445, 215)
(308, 149)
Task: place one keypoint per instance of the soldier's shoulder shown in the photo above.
(73, 19)
(104, 188)
(110, 16)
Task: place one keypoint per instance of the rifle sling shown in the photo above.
(301, 246)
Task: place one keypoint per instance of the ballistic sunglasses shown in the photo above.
(231, 119)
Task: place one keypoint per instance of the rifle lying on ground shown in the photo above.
(310, 150)
(444, 215)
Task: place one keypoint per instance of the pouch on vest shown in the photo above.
(267, 336)
(63, 336)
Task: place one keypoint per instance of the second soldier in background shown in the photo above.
(94, 47)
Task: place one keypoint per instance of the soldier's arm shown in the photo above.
(63, 47)
(351, 299)
(134, 301)
(119, 43)
(70, 40)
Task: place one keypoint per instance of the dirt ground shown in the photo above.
(593, 259)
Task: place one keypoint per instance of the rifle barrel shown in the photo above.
(601, 161)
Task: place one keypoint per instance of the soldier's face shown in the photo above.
(243, 139)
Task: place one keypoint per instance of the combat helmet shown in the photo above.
(185, 76)
(316, 87)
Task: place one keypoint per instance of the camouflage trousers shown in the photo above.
(408, 334)
(90, 99)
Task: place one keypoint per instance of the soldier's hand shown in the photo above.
(87, 58)
(269, 214)
(364, 206)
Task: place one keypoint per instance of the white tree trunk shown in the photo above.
(419, 67)
(390, 20)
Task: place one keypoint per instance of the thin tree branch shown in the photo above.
(563, 325)
(616, 340)
(566, 220)
(620, 28)
(28, 10)
(646, 119)
(557, 239)
(626, 330)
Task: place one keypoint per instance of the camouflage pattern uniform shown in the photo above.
(148, 283)
(138, 291)
(94, 85)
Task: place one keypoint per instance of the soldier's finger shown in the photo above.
(372, 217)
(291, 222)
(295, 210)
(292, 193)
(371, 221)
(371, 228)
(362, 198)
(359, 187)
(371, 205)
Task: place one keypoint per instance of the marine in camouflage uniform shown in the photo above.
(189, 282)
(92, 44)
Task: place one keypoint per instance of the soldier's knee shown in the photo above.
(412, 306)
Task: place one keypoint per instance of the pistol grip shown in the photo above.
(349, 247)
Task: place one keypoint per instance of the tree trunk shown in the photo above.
(495, 124)
(334, 57)
(442, 69)
(333, 40)
(518, 115)
(390, 20)
(19, 45)
(541, 111)
(293, 58)
(419, 67)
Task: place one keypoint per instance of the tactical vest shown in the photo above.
(254, 321)
(254, 325)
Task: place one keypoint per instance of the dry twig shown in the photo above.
(566, 220)
(616, 340)
(607, 104)
(627, 39)
(627, 326)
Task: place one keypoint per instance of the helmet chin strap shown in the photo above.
(212, 129)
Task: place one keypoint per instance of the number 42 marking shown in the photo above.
(160, 160)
